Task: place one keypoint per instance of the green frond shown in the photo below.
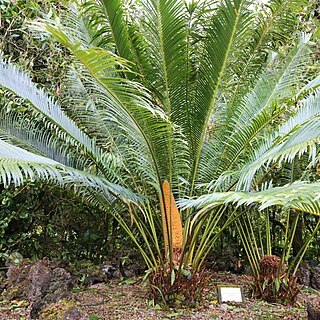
(275, 85)
(225, 33)
(30, 134)
(101, 35)
(254, 115)
(17, 165)
(78, 26)
(164, 28)
(85, 109)
(118, 26)
(127, 104)
(13, 79)
(166, 35)
(299, 135)
(309, 87)
(276, 22)
(301, 196)
(272, 29)
(114, 28)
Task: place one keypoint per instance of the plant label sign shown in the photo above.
(230, 293)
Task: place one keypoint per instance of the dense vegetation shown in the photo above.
(214, 104)
(40, 219)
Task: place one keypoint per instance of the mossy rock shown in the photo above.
(16, 283)
(313, 310)
(64, 310)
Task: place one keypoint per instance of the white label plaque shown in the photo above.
(226, 293)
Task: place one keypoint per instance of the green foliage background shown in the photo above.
(41, 220)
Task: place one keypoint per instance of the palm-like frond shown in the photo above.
(309, 87)
(164, 27)
(31, 135)
(82, 105)
(98, 22)
(114, 27)
(275, 85)
(127, 104)
(272, 28)
(17, 165)
(254, 115)
(298, 135)
(301, 196)
(13, 79)
(84, 109)
(275, 24)
(224, 34)
(81, 29)
(119, 29)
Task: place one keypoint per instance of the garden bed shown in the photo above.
(129, 299)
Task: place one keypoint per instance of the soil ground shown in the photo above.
(129, 300)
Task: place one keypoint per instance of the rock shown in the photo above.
(64, 310)
(313, 312)
(16, 281)
(26, 280)
(304, 274)
(109, 270)
(74, 314)
(38, 283)
(315, 277)
(38, 280)
(59, 286)
(224, 307)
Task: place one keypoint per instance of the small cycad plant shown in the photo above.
(274, 283)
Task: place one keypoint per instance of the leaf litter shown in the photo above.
(129, 299)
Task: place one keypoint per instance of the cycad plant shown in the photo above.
(272, 258)
(166, 100)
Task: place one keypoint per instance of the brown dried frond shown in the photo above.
(269, 266)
